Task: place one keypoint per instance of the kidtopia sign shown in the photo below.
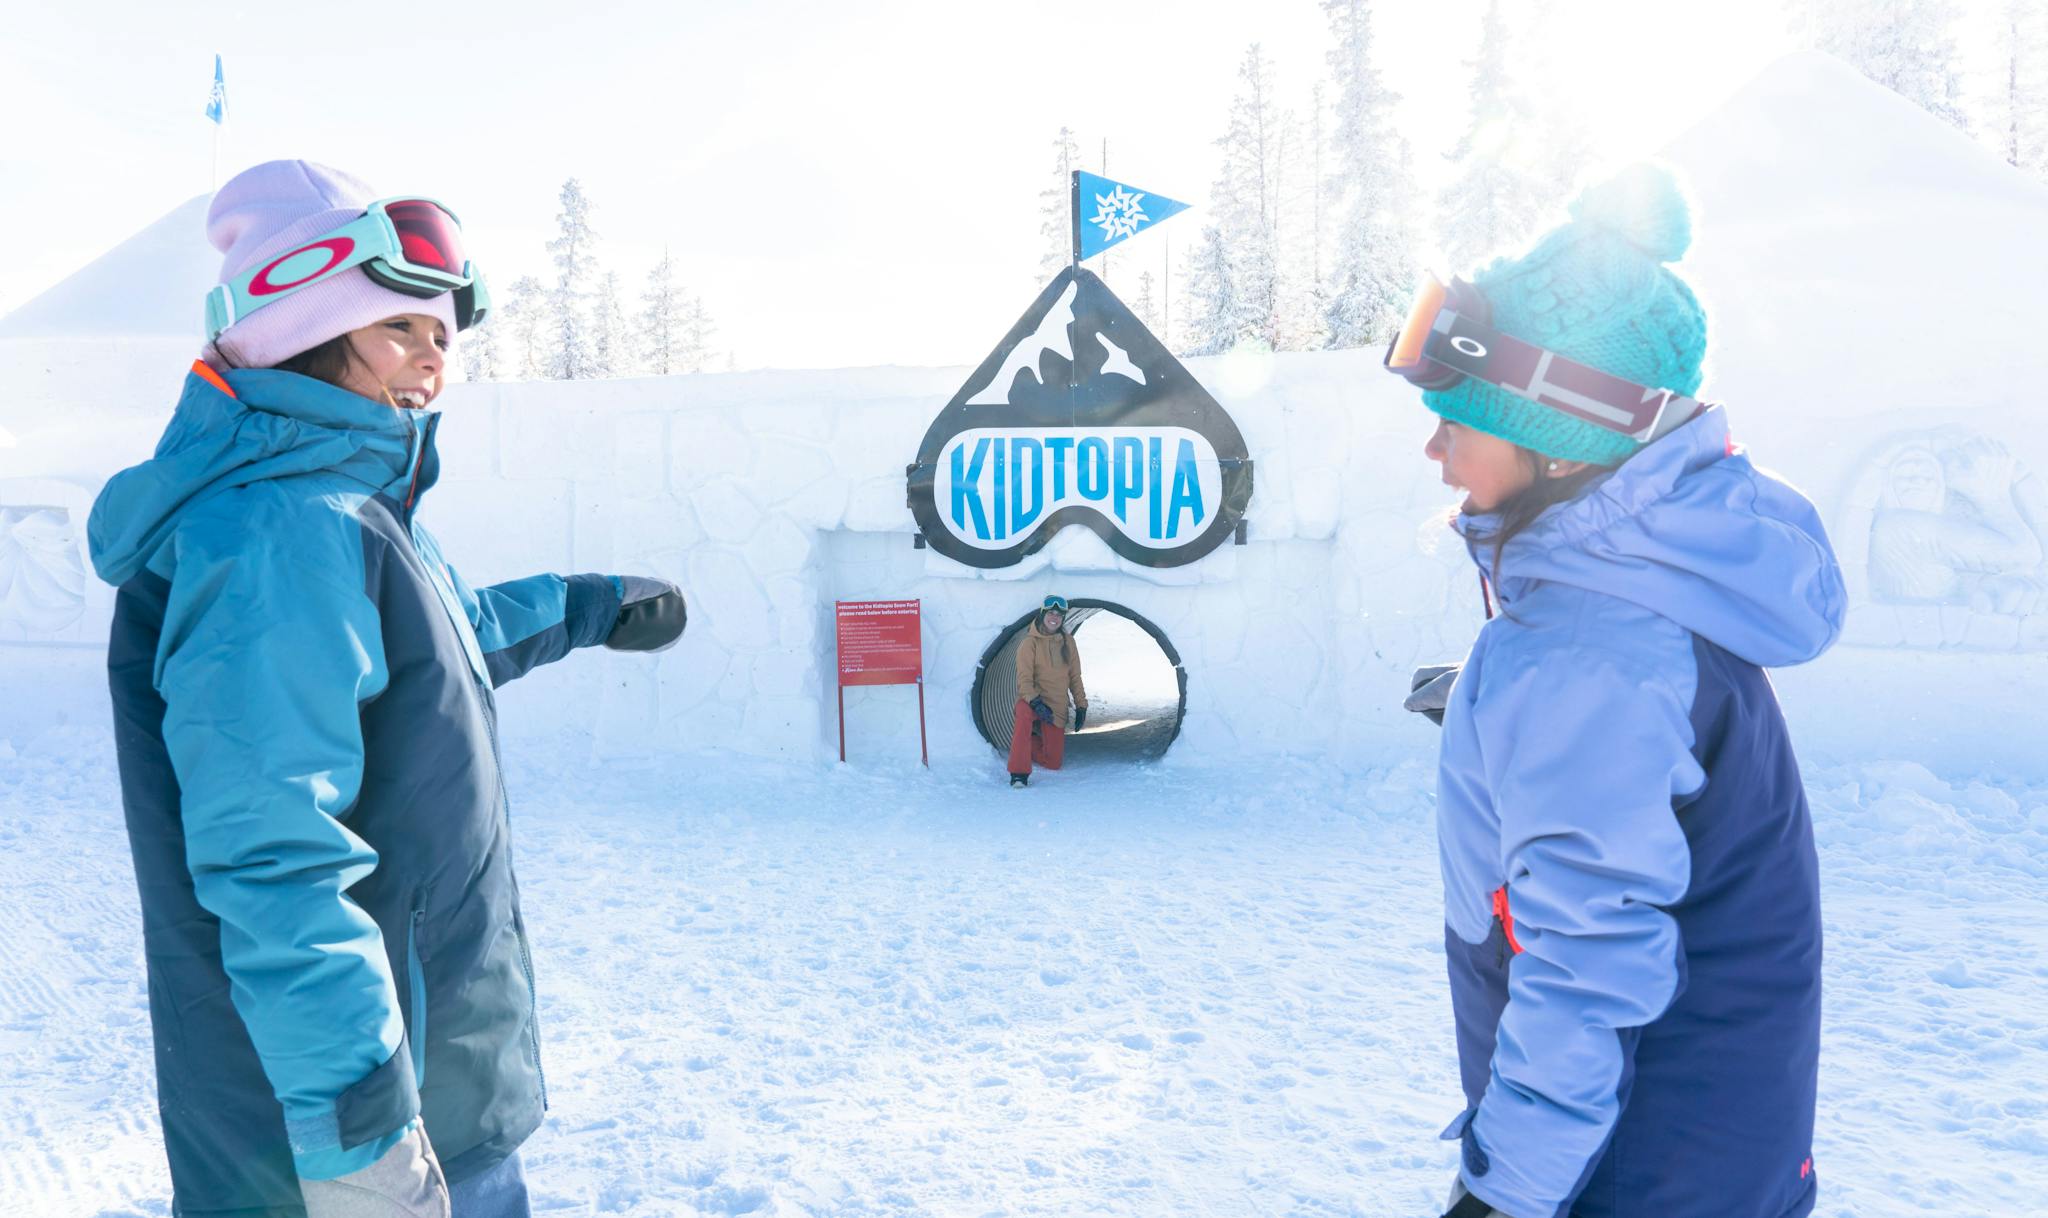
(1080, 417)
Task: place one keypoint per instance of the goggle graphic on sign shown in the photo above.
(1080, 416)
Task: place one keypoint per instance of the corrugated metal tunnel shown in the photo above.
(1137, 689)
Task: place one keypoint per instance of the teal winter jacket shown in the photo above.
(310, 773)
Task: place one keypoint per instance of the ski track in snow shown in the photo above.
(1173, 989)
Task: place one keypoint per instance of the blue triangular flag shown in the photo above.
(1106, 212)
(217, 105)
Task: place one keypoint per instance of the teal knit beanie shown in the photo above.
(1596, 290)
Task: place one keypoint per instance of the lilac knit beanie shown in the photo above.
(271, 209)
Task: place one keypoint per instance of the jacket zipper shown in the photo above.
(416, 977)
(498, 764)
(518, 920)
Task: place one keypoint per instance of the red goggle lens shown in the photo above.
(428, 236)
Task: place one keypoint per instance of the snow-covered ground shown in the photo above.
(1179, 989)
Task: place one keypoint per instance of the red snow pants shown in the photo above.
(1032, 741)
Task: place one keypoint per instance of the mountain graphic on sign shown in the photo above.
(1080, 364)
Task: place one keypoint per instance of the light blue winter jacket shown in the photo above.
(1640, 920)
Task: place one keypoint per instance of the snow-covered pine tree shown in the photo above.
(478, 347)
(698, 331)
(1908, 46)
(661, 321)
(1213, 309)
(524, 316)
(1372, 267)
(1055, 208)
(1559, 148)
(569, 357)
(1146, 304)
(2022, 106)
(610, 347)
(1495, 196)
(1246, 200)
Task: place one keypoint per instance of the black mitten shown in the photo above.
(651, 617)
(1080, 717)
(1039, 708)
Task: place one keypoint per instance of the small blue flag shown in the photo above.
(1106, 212)
(217, 105)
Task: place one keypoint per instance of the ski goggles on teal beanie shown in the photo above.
(1586, 346)
(1054, 601)
(410, 245)
(1447, 339)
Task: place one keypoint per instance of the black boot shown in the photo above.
(1020, 780)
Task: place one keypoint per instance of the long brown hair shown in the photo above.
(1521, 510)
(330, 361)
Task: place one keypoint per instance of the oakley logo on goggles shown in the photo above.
(1448, 337)
(412, 246)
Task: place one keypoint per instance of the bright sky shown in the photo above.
(845, 184)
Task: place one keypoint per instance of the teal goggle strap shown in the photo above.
(371, 242)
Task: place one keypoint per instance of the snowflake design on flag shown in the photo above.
(1119, 213)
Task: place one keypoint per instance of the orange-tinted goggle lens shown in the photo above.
(1406, 354)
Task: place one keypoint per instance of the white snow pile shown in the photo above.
(152, 285)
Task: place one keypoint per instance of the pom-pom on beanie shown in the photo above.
(271, 209)
(1596, 290)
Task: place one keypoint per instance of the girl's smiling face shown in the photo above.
(1488, 469)
(400, 360)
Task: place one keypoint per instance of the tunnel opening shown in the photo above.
(1137, 689)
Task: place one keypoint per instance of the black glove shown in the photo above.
(651, 615)
(1465, 1205)
(1080, 717)
(1429, 690)
(1040, 709)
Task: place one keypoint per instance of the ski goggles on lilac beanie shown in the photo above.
(264, 212)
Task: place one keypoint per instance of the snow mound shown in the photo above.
(152, 285)
(1856, 253)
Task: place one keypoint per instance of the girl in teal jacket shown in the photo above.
(341, 987)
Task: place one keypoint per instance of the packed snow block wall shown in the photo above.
(770, 496)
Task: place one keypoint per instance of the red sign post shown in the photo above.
(881, 643)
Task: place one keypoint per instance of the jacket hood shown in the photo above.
(270, 424)
(1689, 529)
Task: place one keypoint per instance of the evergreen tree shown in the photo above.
(1146, 305)
(698, 331)
(524, 316)
(1247, 199)
(661, 322)
(1908, 46)
(570, 356)
(1055, 208)
(1372, 190)
(1213, 310)
(478, 347)
(2022, 109)
(1495, 197)
(610, 348)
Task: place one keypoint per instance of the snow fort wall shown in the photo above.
(769, 495)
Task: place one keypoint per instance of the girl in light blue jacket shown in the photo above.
(1631, 902)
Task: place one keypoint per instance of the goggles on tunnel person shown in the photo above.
(409, 245)
(1449, 336)
(1054, 602)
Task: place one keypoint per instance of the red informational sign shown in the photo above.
(881, 643)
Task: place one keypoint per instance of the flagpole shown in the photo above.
(1074, 207)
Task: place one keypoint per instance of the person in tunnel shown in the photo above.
(1048, 674)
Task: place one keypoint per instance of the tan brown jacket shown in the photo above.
(1049, 667)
